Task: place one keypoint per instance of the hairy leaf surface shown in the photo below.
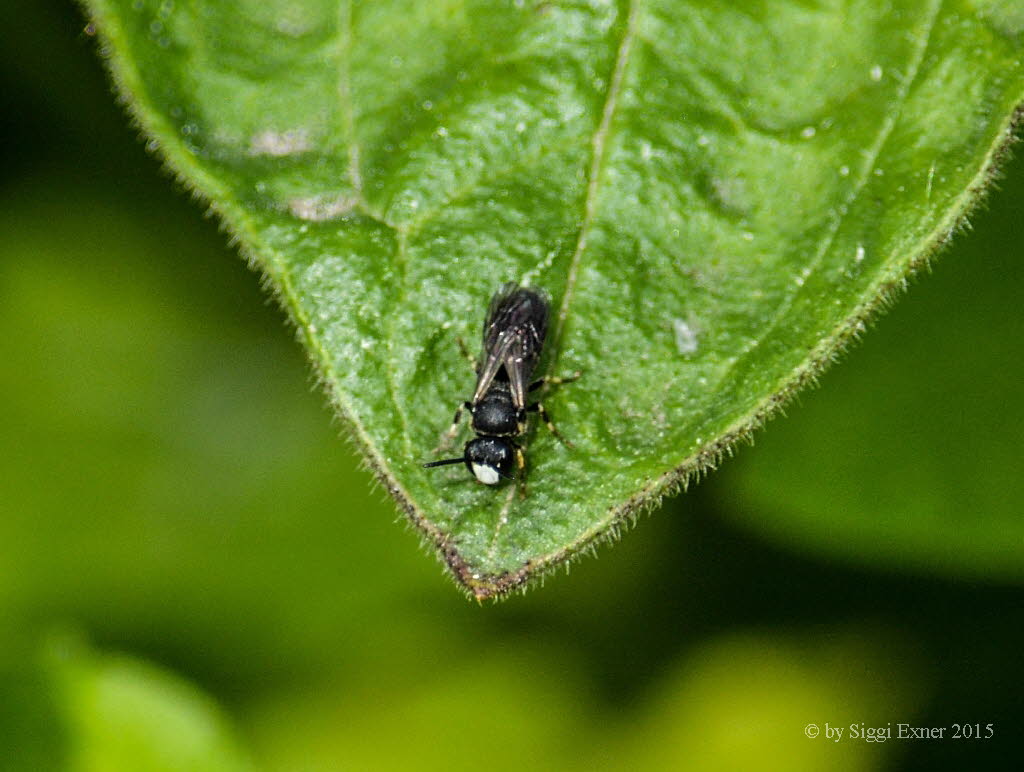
(716, 195)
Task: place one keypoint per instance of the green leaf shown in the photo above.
(716, 196)
(914, 446)
(123, 713)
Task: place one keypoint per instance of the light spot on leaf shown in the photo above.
(280, 143)
(321, 208)
(686, 337)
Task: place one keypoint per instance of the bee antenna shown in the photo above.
(445, 462)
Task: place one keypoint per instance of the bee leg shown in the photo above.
(521, 477)
(449, 435)
(538, 407)
(554, 380)
(469, 357)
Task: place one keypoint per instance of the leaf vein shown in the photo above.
(402, 264)
(345, 97)
(871, 156)
(493, 175)
(597, 162)
(590, 204)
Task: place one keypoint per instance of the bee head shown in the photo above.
(490, 459)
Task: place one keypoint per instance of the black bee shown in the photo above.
(514, 331)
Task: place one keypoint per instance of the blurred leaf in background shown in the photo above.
(67, 707)
(720, 708)
(124, 714)
(173, 488)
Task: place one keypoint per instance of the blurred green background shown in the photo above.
(197, 573)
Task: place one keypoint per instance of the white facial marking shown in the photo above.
(488, 475)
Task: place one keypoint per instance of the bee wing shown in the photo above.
(520, 359)
(503, 299)
(494, 360)
(513, 336)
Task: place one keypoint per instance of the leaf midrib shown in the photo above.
(348, 107)
(599, 143)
